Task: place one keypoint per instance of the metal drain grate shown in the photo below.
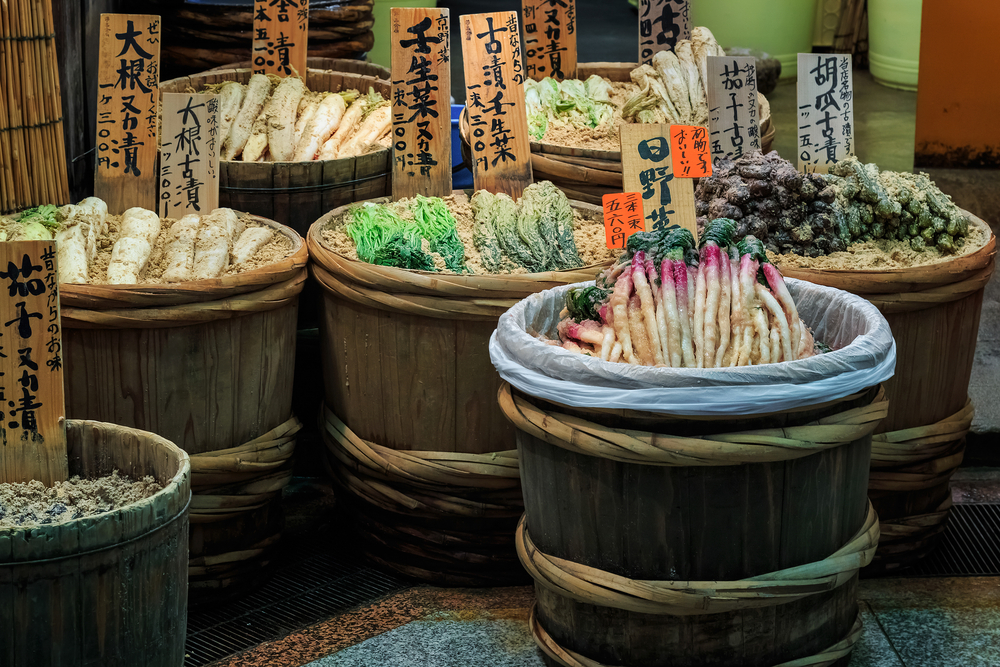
(312, 581)
(969, 546)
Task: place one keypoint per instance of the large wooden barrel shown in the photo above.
(207, 364)
(415, 436)
(297, 193)
(934, 313)
(108, 590)
(587, 174)
(342, 65)
(658, 540)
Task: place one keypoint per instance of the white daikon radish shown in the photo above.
(128, 259)
(281, 118)
(95, 214)
(229, 219)
(230, 100)
(324, 123)
(252, 240)
(140, 223)
(368, 133)
(307, 109)
(71, 253)
(347, 124)
(256, 145)
(257, 91)
(211, 252)
(178, 256)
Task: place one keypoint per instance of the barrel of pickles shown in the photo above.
(106, 588)
(686, 516)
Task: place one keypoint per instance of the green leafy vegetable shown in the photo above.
(584, 303)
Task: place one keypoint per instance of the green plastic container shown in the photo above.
(381, 53)
(782, 28)
(894, 42)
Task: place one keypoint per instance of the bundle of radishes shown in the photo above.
(667, 304)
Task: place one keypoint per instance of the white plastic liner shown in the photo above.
(864, 355)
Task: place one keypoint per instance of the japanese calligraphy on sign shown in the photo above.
(623, 217)
(689, 151)
(733, 111)
(662, 23)
(647, 168)
(32, 409)
(421, 99)
(280, 37)
(127, 89)
(549, 38)
(189, 155)
(825, 110)
(494, 100)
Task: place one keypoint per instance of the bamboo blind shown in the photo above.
(32, 149)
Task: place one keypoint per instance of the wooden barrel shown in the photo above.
(297, 193)
(658, 540)
(110, 589)
(933, 312)
(588, 174)
(342, 65)
(415, 436)
(207, 364)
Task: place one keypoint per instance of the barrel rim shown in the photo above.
(317, 62)
(23, 545)
(407, 281)
(101, 297)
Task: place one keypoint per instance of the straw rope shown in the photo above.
(722, 449)
(568, 658)
(228, 482)
(591, 585)
(908, 302)
(270, 298)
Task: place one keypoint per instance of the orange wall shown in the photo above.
(958, 95)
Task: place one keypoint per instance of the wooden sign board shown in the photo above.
(733, 112)
(667, 201)
(549, 38)
(623, 217)
(421, 102)
(494, 98)
(825, 110)
(662, 23)
(280, 37)
(189, 154)
(128, 79)
(32, 408)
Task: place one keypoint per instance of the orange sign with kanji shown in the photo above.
(622, 217)
(690, 152)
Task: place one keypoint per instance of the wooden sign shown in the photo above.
(662, 23)
(421, 102)
(623, 217)
(689, 154)
(32, 409)
(549, 38)
(494, 98)
(280, 37)
(189, 154)
(667, 202)
(826, 110)
(733, 113)
(128, 79)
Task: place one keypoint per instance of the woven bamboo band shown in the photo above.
(428, 484)
(590, 585)
(271, 298)
(914, 527)
(722, 449)
(906, 302)
(569, 658)
(227, 482)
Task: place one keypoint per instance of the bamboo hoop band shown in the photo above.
(722, 449)
(271, 298)
(921, 443)
(908, 302)
(428, 484)
(916, 526)
(591, 585)
(568, 658)
(228, 482)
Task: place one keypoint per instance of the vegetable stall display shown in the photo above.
(186, 328)
(411, 291)
(898, 241)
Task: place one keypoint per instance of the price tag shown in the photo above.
(280, 37)
(494, 97)
(32, 409)
(189, 154)
(421, 98)
(128, 79)
(826, 110)
(733, 113)
(623, 217)
(549, 38)
(667, 202)
(662, 23)
(689, 151)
